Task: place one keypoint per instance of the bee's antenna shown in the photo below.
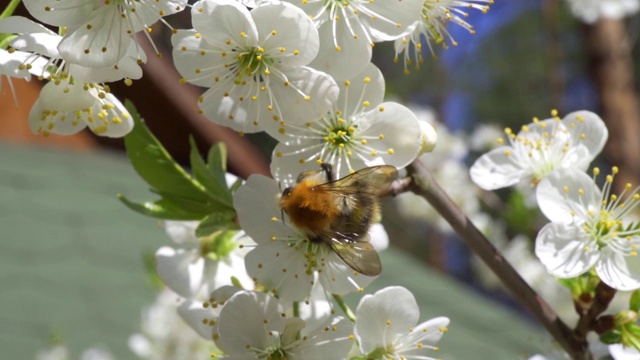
(282, 216)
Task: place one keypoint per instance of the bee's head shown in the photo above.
(286, 192)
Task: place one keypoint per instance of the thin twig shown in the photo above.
(424, 184)
(588, 321)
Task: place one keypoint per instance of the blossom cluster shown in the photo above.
(256, 285)
(592, 235)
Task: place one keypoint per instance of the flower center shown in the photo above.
(606, 225)
(252, 63)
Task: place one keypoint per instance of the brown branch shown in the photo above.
(424, 184)
(611, 65)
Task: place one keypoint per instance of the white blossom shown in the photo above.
(540, 148)
(194, 267)
(254, 64)
(589, 228)
(252, 325)
(387, 327)
(432, 26)
(348, 30)
(100, 32)
(360, 131)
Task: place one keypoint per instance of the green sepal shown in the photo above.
(634, 330)
(611, 337)
(217, 221)
(236, 282)
(236, 185)
(6, 39)
(634, 301)
(211, 175)
(149, 262)
(160, 209)
(154, 164)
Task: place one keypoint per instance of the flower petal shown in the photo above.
(393, 133)
(565, 250)
(181, 270)
(384, 315)
(109, 117)
(320, 94)
(256, 203)
(496, 170)
(354, 51)
(367, 86)
(223, 20)
(249, 320)
(331, 341)
(101, 42)
(281, 268)
(55, 12)
(396, 20)
(284, 26)
(182, 232)
(194, 314)
(587, 129)
(559, 199)
(618, 271)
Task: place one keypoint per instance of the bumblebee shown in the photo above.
(340, 212)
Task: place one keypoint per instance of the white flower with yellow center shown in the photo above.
(360, 131)
(254, 325)
(194, 267)
(589, 228)
(254, 64)
(100, 32)
(349, 29)
(65, 107)
(387, 327)
(436, 14)
(45, 60)
(540, 148)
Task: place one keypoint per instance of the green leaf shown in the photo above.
(161, 209)
(154, 164)
(216, 221)
(190, 205)
(217, 158)
(212, 177)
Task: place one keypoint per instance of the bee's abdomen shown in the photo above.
(356, 217)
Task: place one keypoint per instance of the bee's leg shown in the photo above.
(328, 170)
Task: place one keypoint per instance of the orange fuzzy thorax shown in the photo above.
(310, 209)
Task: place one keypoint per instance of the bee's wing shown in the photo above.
(356, 252)
(373, 180)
